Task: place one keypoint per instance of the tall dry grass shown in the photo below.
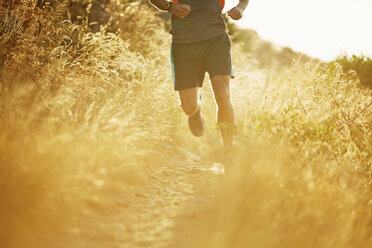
(82, 117)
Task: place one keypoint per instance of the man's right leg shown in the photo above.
(188, 67)
(191, 105)
(189, 99)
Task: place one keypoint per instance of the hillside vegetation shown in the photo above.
(94, 148)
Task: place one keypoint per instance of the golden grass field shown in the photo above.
(95, 152)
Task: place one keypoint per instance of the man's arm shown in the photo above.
(160, 4)
(177, 9)
(243, 4)
(237, 12)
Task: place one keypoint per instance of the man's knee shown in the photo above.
(223, 98)
(190, 108)
(189, 100)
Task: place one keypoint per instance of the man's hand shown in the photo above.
(236, 13)
(180, 10)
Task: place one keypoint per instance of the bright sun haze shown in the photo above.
(321, 29)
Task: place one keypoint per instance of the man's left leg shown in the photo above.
(226, 110)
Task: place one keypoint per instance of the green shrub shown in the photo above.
(362, 65)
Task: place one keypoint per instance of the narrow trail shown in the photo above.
(161, 204)
(156, 213)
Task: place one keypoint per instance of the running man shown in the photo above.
(200, 44)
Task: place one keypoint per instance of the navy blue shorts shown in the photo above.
(190, 61)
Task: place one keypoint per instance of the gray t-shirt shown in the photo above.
(204, 22)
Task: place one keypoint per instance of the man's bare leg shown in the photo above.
(190, 102)
(191, 105)
(226, 110)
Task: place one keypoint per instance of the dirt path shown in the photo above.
(162, 202)
(150, 215)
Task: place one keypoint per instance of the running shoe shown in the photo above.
(196, 124)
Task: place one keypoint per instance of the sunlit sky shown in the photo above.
(320, 28)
